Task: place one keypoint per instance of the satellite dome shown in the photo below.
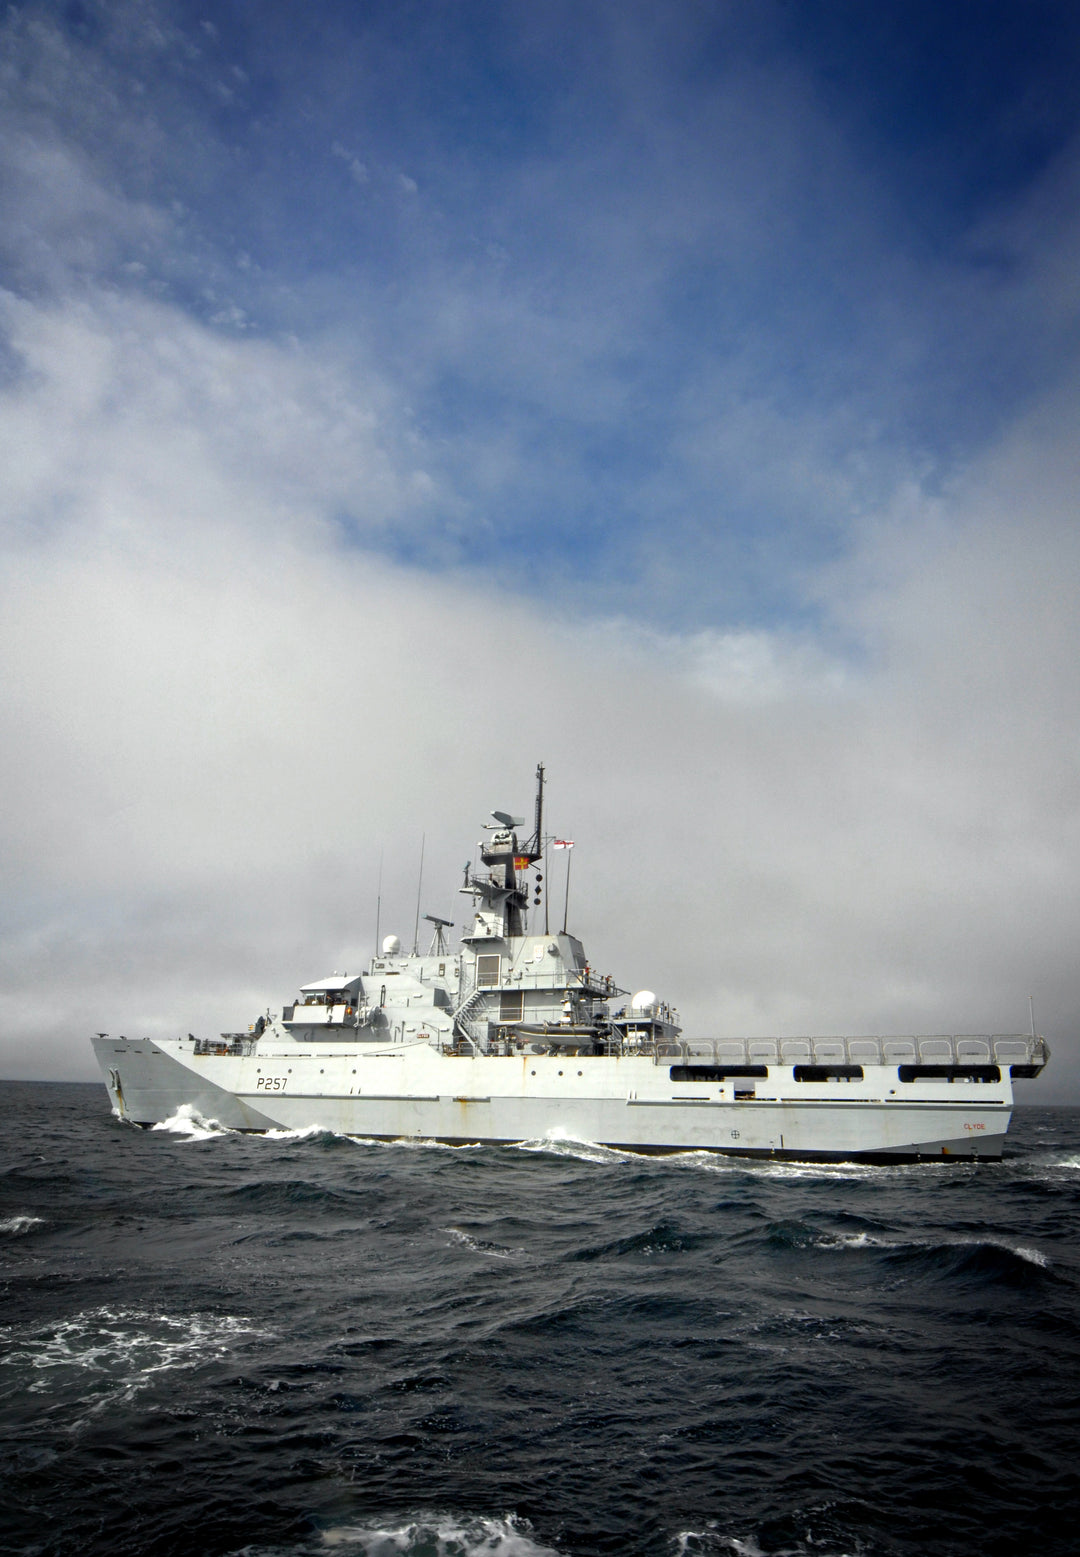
(644, 1000)
(391, 946)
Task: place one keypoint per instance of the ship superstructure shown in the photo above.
(514, 1036)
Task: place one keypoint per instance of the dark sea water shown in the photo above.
(303, 1344)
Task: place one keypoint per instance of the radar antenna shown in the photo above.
(506, 820)
(438, 947)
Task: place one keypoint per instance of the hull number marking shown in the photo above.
(271, 1083)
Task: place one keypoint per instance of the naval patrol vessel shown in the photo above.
(514, 1036)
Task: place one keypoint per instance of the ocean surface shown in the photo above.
(305, 1344)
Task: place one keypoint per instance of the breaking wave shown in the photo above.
(559, 1143)
(950, 1247)
(425, 1536)
(188, 1122)
(448, 1537)
(19, 1226)
(306, 1133)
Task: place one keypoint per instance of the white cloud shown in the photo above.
(161, 427)
(357, 169)
(61, 219)
(217, 709)
(736, 668)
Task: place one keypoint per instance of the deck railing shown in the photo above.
(937, 1049)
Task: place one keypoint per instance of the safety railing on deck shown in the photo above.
(940, 1049)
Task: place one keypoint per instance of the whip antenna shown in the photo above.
(419, 884)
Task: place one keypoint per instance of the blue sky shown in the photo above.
(683, 394)
(668, 295)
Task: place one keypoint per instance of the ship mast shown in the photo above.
(505, 902)
(535, 848)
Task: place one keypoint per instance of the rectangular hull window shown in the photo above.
(511, 1006)
(828, 1072)
(950, 1072)
(715, 1072)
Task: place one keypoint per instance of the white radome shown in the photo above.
(391, 945)
(644, 1000)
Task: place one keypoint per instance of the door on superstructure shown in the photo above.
(488, 966)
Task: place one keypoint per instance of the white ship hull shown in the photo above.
(628, 1102)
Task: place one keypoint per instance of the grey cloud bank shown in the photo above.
(379, 416)
(217, 713)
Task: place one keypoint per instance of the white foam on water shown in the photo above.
(493, 1251)
(311, 1132)
(688, 1543)
(418, 1143)
(863, 1241)
(105, 1353)
(304, 1133)
(413, 1143)
(1033, 1256)
(871, 1241)
(1022, 1251)
(442, 1536)
(710, 1541)
(558, 1142)
(1070, 1161)
(19, 1226)
(188, 1122)
(768, 1167)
